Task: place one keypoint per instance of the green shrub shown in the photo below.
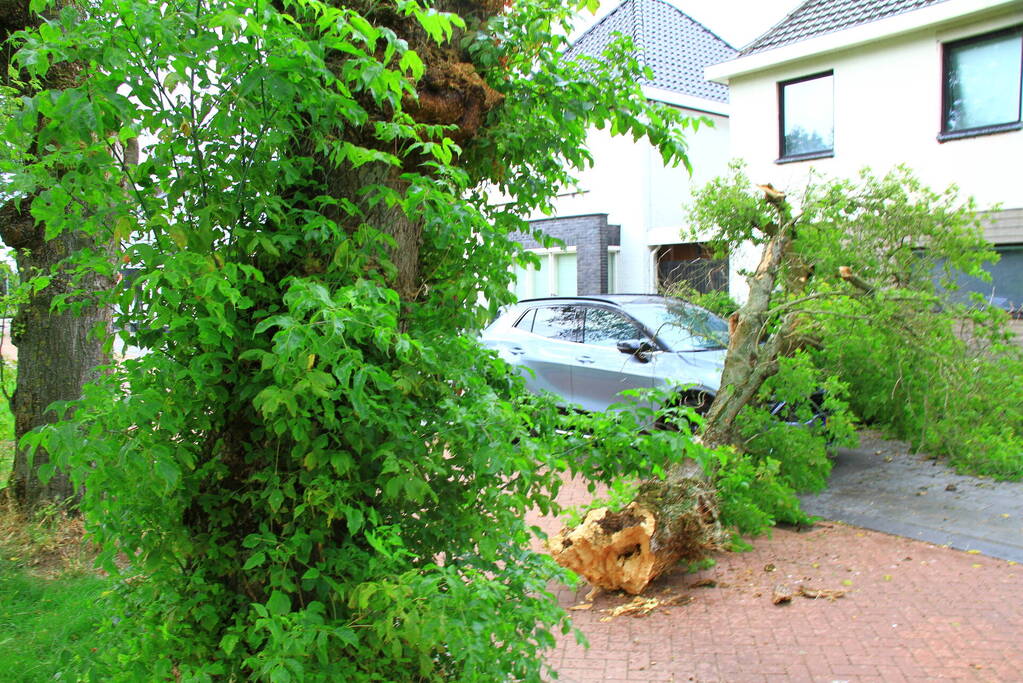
(955, 395)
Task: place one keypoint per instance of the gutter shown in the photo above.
(942, 13)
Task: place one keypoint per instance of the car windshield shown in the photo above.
(682, 326)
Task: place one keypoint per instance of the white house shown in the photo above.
(622, 227)
(838, 85)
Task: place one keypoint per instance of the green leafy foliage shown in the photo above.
(942, 375)
(10, 377)
(316, 472)
(8, 382)
(951, 383)
(617, 497)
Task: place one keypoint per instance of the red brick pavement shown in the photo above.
(912, 612)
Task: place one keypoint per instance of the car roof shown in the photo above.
(613, 299)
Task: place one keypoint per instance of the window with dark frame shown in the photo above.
(806, 108)
(982, 84)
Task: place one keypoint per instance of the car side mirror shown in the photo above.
(636, 347)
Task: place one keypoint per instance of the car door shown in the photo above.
(550, 348)
(600, 371)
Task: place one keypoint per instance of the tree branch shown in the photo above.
(846, 273)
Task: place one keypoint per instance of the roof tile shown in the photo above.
(672, 44)
(818, 17)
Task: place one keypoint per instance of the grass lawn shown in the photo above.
(49, 613)
(6, 462)
(47, 625)
(50, 600)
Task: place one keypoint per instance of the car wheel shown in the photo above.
(698, 401)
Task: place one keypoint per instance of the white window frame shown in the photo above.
(552, 271)
(612, 286)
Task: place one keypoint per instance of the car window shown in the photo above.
(682, 326)
(526, 321)
(558, 322)
(606, 328)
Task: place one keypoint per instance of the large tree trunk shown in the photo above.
(57, 354)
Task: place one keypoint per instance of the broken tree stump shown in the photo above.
(609, 549)
(671, 520)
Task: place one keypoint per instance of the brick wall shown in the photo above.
(591, 236)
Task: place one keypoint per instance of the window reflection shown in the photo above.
(682, 326)
(558, 322)
(606, 328)
(808, 116)
(982, 82)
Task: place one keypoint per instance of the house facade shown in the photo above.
(622, 224)
(839, 85)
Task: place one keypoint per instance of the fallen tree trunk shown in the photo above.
(750, 360)
(676, 518)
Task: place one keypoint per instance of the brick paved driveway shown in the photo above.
(912, 612)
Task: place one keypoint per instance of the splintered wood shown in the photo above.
(641, 607)
(831, 594)
(783, 593)
(609, 549)
(671, 520)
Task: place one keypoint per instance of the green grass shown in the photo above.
(47, 625)
(10, 370)
(48, 622)
(6, 462)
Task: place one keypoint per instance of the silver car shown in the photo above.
(588, 349)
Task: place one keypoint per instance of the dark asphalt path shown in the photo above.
(881, 486)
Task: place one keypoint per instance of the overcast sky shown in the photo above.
(737, 21)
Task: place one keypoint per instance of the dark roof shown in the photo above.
(817, 17)
(673, 45)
